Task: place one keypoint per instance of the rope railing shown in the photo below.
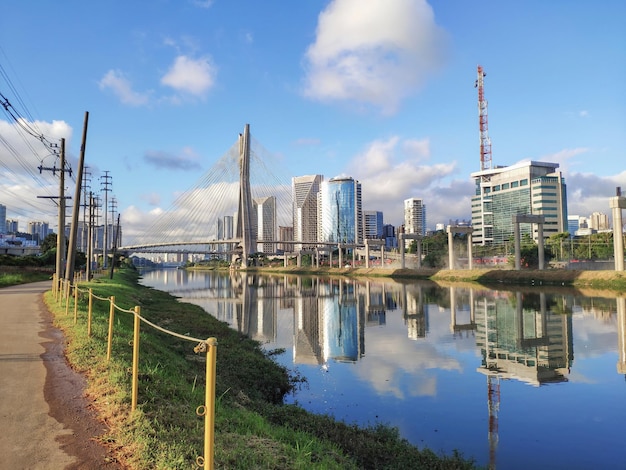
(208, 346)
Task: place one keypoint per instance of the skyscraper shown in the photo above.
(415, 216)
(341, 215)
(304, 191)
(372, 224)
(3, 218)
(528, 187)
(266, 223)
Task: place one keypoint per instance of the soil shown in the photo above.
(64, 391)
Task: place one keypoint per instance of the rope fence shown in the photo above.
(63, 290)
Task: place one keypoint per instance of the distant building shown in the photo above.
(340, 210)
(12, 226)
(528, 187)
(266, 224)
(599, 221)
(414, 218)
(38, 231)
(573, 224)
(285, 234)
(3, 218)
(372, 224)
(389, 234)
(304, 191)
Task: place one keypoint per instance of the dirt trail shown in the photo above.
(46, 421)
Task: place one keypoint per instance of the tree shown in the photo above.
(49, 243)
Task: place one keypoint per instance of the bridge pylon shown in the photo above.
(245, 225)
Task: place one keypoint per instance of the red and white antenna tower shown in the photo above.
(485, 142)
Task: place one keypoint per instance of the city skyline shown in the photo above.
(386, 96)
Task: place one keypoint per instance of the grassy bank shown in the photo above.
(13, 276)
(253, 429)
(611, 280)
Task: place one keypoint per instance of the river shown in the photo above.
(513, 378)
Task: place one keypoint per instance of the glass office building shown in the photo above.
(340, 210)
(525, 188)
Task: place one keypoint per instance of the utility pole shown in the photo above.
(89, 249)
(85, 207)
(115, 241)
(60, 259)
(71, 258)
(106, 183)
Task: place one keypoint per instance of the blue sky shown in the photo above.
(380, 90)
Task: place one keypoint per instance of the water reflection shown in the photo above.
(437, 362)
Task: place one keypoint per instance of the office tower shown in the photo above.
(12, 226)
(599, 221)
(372, 224)
(304, 191)
(38, 230)
(266, 223)
(573, 224)
(415, 216)
(528, 187)
(341, 215)
(3, 218)
(285, 234)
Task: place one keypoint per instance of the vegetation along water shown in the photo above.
(254, 428)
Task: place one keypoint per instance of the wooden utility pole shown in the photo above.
(71, 258)
(89, 245)
(61, 235)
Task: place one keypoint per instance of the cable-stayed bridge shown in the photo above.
(217, 215)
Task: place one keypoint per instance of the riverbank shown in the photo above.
(253, 429)
(610, 280)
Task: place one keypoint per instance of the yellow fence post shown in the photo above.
(133, 406)
(89, 312)
(67, 297)
(111, 319)
(75, 303)
(209, 417)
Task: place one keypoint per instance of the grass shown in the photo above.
(253, 428)
(20, 276)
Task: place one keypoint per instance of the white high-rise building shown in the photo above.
(38, 230)
(304, 191)
(414, 217)
(266, 223)
(599, 221)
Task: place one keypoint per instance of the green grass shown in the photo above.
(16, 277)
(253, 428)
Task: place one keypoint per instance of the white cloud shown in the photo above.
(21, 181)
(122, 88)
(192, 76)
(586, 192)
(375, 52)
(393, 170)
(202, 3)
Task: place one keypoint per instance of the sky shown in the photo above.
(379, 90)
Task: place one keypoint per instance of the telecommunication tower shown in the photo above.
(485, 142)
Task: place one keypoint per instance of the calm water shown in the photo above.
(515, 379)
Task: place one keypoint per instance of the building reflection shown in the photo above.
(520, 339)
(415, 313)
(621, 335)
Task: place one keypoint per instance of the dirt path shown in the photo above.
(46, 421)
